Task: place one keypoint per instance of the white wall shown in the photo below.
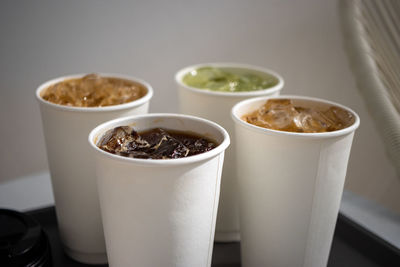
(301, 40)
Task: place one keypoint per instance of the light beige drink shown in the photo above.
(291, 186)
(71, 107)
(93, 90)
(283, 115)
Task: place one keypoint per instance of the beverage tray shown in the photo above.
(352, 246)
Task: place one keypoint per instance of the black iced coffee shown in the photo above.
(155, 143)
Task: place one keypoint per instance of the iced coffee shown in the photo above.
(93, 90)
(284, 115)
(155, 143)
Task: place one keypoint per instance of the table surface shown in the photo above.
(352, 246)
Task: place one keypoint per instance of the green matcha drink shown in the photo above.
(217, 79)
(209, 91)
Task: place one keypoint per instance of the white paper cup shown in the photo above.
(72, 171)
(216, 106)
(290, 188)
(160, 212)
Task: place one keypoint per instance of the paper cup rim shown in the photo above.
(128, 105)
(94, 134)
(270, 90)
(259, 129)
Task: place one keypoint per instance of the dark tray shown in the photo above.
(352, 246)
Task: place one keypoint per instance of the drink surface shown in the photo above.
(283, 115)
(216, 79)
(93, 90)
(155, 143)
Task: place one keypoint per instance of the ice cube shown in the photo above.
(311, 121)
(163, 145)
(279, 115)
(339, 117)
(117, 140)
